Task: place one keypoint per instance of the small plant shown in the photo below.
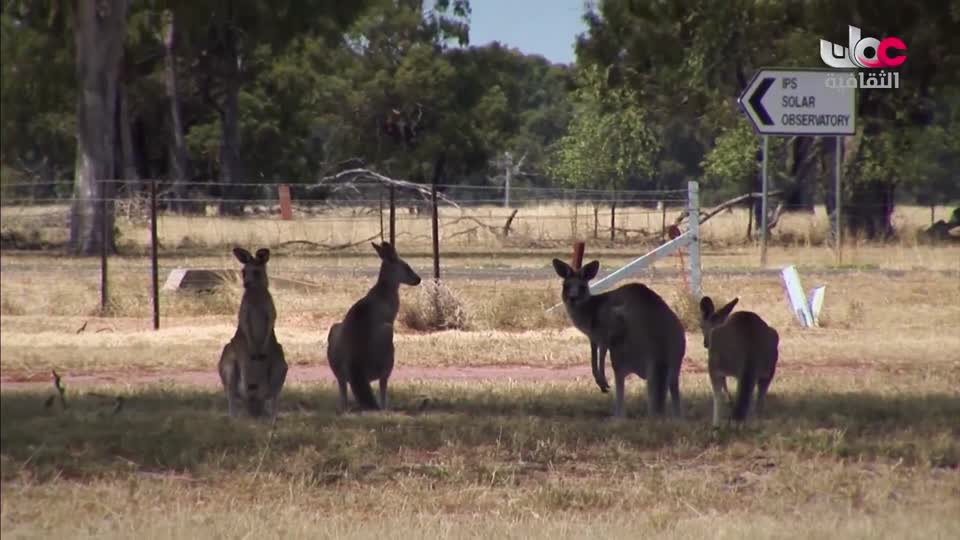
(434, 307)
(687, 308)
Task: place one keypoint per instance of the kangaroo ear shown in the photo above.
(389, 251)
(562, 269)
(724, 312)
(378, 249)
(263, 255)
(706, 307)
(242, 255)
(589, 271)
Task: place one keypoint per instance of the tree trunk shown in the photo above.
(804, 165)
(99, 31)
(179, 164)
(231, 172)
(869, 211)
(867, 206)
(127, 158)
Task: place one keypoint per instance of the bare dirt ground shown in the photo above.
(310, 374)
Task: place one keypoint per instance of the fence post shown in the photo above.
(613, 220)
(104, 239)
(578, 248)
(436, 231)
(393, 218)
(381, 215)
(693, 208)
(154, 267)
(283, 190)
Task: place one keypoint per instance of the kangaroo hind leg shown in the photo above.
(383, 393)
(762, 386)
(719, 384)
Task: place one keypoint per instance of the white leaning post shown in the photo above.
(690, 238)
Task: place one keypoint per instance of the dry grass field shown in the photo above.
(498, 430)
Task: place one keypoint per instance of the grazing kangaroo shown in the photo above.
(360, 348)
(252, 366)
(741, 345)
(644, 336)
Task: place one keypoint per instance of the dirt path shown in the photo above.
(304, 374)
(301, 374)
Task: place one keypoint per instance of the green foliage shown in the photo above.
(609, 140)
(733, 160)
(37, 99)
(691, 59)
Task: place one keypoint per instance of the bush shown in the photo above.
(434, 307)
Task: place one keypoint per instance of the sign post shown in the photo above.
(763, 204)
(837, 160)
(807, 102)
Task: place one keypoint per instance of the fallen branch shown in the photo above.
(330, 247)
(704, 215)
(345, 179)
(493, 229)
(506, 226)
(60, 389)
(463, 232)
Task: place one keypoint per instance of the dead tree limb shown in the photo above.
(330, 247)
(506, 226)
(345, 180)
(705, 215)
(58, 384)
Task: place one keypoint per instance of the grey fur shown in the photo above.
(740, 345)
(252, 366)
(644, 336)
(360, 348)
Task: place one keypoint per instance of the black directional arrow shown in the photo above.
(757, 98)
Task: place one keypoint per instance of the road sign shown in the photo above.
(800, 102)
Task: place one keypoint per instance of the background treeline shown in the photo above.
(249, 93)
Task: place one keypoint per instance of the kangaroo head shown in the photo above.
(254, 378)
(576, 283)
(710, 318)
(254, 267)
(393, 269)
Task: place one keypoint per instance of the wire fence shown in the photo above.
(150, 217)
(147, 218)
(339, 216)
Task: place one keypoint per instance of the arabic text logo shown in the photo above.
(869, 79)
(867, 52)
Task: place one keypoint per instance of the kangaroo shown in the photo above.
(252, 366)
(741, 345)
(644, 336)
(360, 348)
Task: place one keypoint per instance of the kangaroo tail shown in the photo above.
(748, 380)
(360, 387)
(657, 376)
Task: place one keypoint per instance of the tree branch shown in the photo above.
(347, 177)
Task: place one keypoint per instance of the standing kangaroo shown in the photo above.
(252, 366)
(741, 345)
(644, 336)
(360, 348)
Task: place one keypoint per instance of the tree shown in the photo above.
(222, 43)
(608, 142)
(690, 60)
(99, 32)
(38, 101)
(179, 159)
